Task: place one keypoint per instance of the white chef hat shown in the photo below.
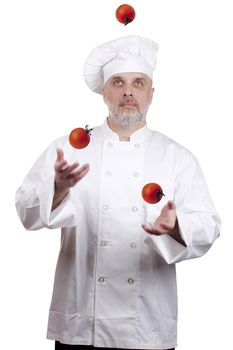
(126, 54)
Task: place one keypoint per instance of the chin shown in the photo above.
(127, 120)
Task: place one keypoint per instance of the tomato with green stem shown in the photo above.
(125, 14)
(152, 193)
(79, 137)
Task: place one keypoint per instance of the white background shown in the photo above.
(43, 96)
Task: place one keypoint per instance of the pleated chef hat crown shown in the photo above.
(126, 54)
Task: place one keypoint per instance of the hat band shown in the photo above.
(125, 63)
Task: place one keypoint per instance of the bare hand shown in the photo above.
(166, 221)
(66, 175)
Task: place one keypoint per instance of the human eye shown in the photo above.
(117, 82)
(139, 83)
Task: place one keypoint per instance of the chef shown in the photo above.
(115, 281)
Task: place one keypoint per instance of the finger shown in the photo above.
(171, 205)
(154, 231)
(69, 169)
(74, 180)
(81, 172)
(148, 229)
(60, 154)
(83, 167)
(60, 166)
(78, 173)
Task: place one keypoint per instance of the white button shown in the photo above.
(133, 245)
(134, 209)
(130, 280)
(137, 145)
(103, 243)
(101, 279)
(105, 207)
(108, 173)
(109, 144)
(135, 174)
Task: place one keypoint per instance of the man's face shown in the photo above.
(128, 97)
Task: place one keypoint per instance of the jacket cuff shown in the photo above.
(198, 239)
(63, 215)
(167, 247)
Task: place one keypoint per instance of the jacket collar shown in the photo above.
(139, 135)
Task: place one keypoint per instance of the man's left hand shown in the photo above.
(166, 221)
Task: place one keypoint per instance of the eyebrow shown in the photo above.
(117, 77)
(122, 78)
(140, 78)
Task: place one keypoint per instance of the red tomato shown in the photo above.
(125, 14)
(79, 137)
(152, 193)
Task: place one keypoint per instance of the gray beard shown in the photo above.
(126, 119)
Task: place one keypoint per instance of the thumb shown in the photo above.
(60, 154)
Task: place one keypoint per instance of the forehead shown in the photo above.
(130, 76)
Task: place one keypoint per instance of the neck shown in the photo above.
(124, 134)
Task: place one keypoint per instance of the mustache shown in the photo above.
(128, 100)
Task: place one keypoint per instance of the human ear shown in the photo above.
(105, 98)
(152, 94)
(104, 94)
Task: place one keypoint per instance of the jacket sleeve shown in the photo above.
(35, 196)
(199, 223)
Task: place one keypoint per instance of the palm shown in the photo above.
(165, 222)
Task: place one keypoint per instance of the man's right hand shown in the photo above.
(66, 176)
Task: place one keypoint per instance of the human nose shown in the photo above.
(128, 90)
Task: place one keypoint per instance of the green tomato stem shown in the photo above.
(127, 20)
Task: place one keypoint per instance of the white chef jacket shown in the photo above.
(115, 284)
